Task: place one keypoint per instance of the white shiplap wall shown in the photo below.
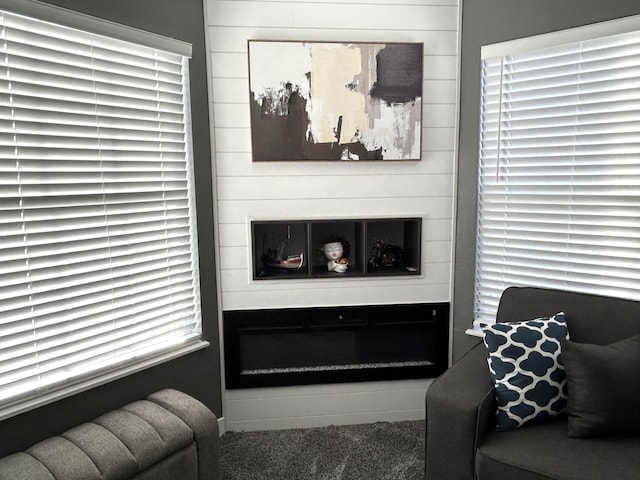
(283, 190)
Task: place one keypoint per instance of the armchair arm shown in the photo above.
(460, 412)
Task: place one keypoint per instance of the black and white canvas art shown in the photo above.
(335, 101)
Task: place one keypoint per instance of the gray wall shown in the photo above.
(485, 22)
(199, 373)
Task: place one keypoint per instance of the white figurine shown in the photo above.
(333, 251)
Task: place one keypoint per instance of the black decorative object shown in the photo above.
(386, 255)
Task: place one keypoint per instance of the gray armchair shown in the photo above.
(462, 442)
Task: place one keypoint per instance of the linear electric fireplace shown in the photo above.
(335, 344)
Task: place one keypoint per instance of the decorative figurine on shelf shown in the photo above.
(384, 254)
(279, 258)
(336, 251)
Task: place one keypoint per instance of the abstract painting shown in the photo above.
(335, 101)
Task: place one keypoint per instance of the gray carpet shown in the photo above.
(378, 451)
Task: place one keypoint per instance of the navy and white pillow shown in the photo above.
(527, 370)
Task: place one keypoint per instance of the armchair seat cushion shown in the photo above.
(543, 451)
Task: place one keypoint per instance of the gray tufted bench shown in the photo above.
(168, 436)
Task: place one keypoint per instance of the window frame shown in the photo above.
(99, 26)
(485, 308)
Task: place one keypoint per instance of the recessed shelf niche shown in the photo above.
(292, 249)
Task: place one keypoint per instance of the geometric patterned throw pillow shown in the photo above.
(527, 370)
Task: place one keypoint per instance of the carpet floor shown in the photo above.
(377, 451)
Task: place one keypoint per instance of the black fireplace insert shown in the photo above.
(297, 346)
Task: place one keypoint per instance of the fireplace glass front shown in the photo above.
(334, 344)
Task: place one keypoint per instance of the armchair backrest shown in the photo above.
(590, 318)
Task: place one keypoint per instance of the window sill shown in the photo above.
(474, 332)
(45, 398)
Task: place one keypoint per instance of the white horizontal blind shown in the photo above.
(98, 256)
(559, 174)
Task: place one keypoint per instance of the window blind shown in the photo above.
(559, 169)
(98, 255)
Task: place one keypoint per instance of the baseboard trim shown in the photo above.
(222, 426)
(325, 420)
(320, 406)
